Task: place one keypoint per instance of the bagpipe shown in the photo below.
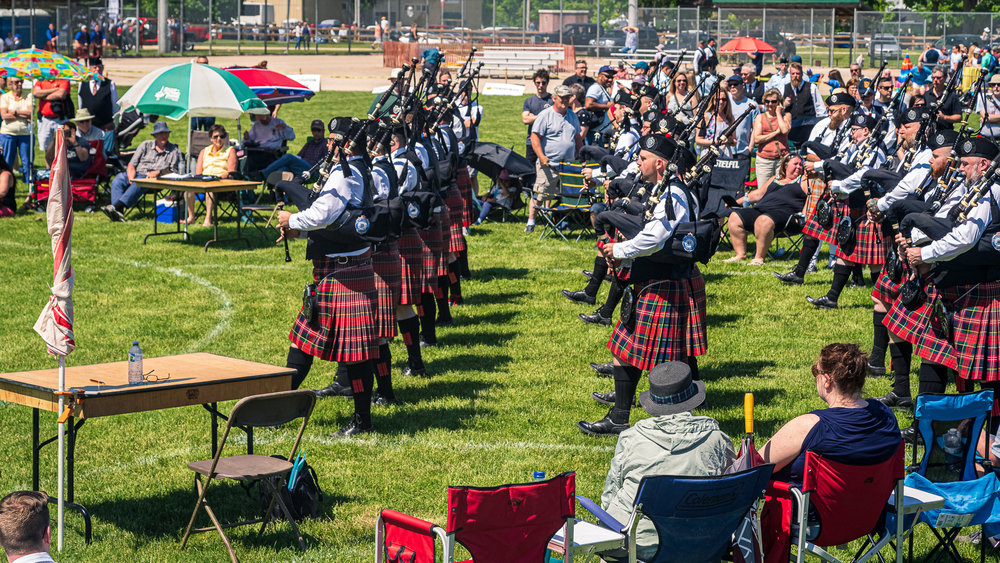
(699, 112)
(711, 153)
(931, 115)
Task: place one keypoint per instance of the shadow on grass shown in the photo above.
(487, 338)
(739, 368)
(166, 515)
(477, 318)
(459, 363)
(473, 297)
(722, 320)
(489, 274)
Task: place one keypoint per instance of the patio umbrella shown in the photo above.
(272, 87)
(491, 159)
(55, 324)
(746, 45)
(36, 64)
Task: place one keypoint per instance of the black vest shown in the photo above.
(802, 102)
(390, 172)
(324, 241)
(98, 104)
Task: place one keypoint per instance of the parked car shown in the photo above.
(884, 46)
(649, 38)
(949, 41)
(576, 34)
(686, 40)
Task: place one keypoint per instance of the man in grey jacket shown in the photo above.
(672, 442)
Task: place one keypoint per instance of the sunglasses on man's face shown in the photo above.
(542, 83)
(217, 136)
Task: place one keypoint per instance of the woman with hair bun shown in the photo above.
(851, 430)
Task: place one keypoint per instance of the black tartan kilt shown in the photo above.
(431, 245)
(344, 327)
(453, 201)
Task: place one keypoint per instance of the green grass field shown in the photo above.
(505, 387)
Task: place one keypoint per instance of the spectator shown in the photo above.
(312, 152)
(991, 61)
(414, 34)
(217, 159)
(718, 116)
(930, 56)
(85, 128)
(852, 430)
(802, 99)
(956, 56)
(51, 38)
(78, 156)
(950, 108)
(534, 106)
(579, 75)
(778, 198)
(204, 123)
(586, 118)
(679, 89)
(988, 107)
(673, 441)
(740, 104)
(631, 39)
(378, 37)
(855, 70)
(151, 158)
(55, 107)
(8, 200)
(15, 132)
(97, 42)
(770, 134)
(100, 98)
(264, 141)
(81, 44)
(698, 63)
(555, 137)
(297, 30)
(753, 87)
(598, 100)
(757, 62)
(779, 79)
(24, 527)
(501, 194)
(852, 88)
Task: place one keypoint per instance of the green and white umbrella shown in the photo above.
(192, 89)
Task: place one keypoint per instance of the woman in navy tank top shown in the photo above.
(851, 430)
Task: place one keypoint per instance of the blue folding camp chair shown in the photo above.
(950, 426)
(695, 517)
(571, 209)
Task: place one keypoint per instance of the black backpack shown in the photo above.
(303, 501)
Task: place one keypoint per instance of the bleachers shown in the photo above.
(509, 62)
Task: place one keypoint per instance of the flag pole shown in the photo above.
(61, 457)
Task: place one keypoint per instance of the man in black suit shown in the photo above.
(754, 87)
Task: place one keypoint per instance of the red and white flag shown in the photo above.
(55, 324)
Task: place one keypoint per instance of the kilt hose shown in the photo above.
(388, 284)
(697, 328)
(869, 248)
(453, 201)
(412, 262)
(815, 230)
(917, 327)
(464, 181)
(660, 331)
(344, 327)
(430, 251)
(976, 330)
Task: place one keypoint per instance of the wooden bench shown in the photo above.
(518, 61)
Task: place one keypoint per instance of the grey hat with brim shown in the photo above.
(671, 390)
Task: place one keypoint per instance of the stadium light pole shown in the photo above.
(161, 27)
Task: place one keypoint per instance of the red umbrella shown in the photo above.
(746, 45)
(272, 87)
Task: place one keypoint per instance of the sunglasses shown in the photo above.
(217, 136)
(541, 83)
(770, 102)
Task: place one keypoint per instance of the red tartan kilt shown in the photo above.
(917, 327)
(660, 333)
(977, 330)
(869, 248)
(697, 329)
(885, 289)
(445, 222)
(431, 245)
(388, 284)
(815, 230)
(345, 321)
(412, 262)
(464, 181)
(453, 201)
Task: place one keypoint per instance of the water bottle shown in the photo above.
(953, 450)
(135, 364)
(539, 476)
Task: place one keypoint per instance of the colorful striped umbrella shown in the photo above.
(272, 87)
(36, 64)
(192, 89)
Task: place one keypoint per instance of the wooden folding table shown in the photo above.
(199, 187)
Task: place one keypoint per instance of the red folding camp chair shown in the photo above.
(848, 502)
(84, 189)
(505, 524)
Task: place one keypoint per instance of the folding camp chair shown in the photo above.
(837, 503)
(505, 524)
(268, 410)
(572, 204)
(86, 189)
(788, 239)
(704, 511)
(950, 426)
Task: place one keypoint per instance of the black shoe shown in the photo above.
(382, 400)
(609, 398)
(579, 296)
(891, 399)
(595, 319)
(911, 435)
(587, 273)
(335, 390)
(790, 278)
(112, 212)
(409, 371)
(607, 425)
(444, 321)
(605, 370)
(876, 370)
(424, 343)
(353, 428)
(822, 302)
